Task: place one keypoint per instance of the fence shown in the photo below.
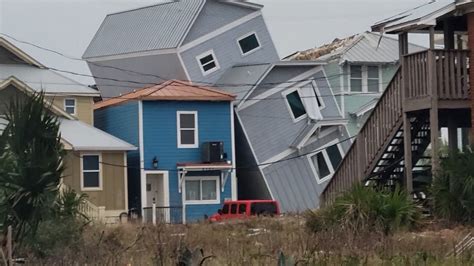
(163, 215)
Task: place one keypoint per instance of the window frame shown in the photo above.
(202, 202)
(66, 106)
(365, 79)
(290, 91)
(100, 170)
(196, 130)
(245, 36)
(201, 66)
(324, 152)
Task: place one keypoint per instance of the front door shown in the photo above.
(155, 192)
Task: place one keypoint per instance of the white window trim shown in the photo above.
(323, 150)
(318, 95)
(365, 80)
(202, 202)
(199, 57)
(196, 130)
(284, 94)
(75, 105)
(245, 36)
(100, 187)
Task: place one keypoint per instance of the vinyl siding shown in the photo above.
(134, 73)
(228, 52)
(292, 181)
(112, 197)
(270, 126)
(122, 121)
(213, 16)
(84, 107)
(160, 140)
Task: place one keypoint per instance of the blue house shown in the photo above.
(185, 161)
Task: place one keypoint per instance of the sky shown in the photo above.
(67, 26)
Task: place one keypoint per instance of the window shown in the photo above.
(364, 79)
(208, 63)
(372, 79)
(187, 129)
(201, 190)
(296, 105)
(356, 78)
(249, 43)
(91, 172)
(233, 209)
(225, 209)
(325, 162)
(70, 106)
(242, 208)
(263, 208)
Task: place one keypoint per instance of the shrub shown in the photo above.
(453, 188)
(363, 208)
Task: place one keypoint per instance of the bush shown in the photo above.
(363, 208)
(453, 188)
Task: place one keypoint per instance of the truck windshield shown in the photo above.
(225, 209)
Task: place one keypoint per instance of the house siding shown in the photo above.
(213, 16)
(160, 140)
(122, 122)
(112, 196)
(292, 180)
(84, 106)
(135, 72)
(270, 126)
(227, 51)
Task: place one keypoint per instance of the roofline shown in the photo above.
(12, 80)
(142, 7)
(20, 53)
(250, 5)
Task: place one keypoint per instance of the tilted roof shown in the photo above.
(172, 90)
(84, 137)
(156, 27)
(418, 17)
(366, 47)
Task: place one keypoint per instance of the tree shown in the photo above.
(30, 164)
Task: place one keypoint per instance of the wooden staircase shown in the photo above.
(427, 82)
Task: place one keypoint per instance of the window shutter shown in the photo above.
(310, 102)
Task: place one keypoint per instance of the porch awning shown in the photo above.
(225, 169)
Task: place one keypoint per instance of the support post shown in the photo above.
(153, 213)
(452, 136)
(10, 245)
(408, 182)
(470, 46)
(448, 31)
(432, 37)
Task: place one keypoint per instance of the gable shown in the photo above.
(10, 54)
(213, 16)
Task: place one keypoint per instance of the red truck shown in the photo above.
(245, 208)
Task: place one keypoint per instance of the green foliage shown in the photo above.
(453, 188)
(363, 208)
(30, 164)
(69, 204)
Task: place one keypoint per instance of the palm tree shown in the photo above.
(30, 164)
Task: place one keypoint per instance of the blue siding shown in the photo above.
(122, 121)
(160, 140)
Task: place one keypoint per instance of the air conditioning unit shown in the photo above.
(212, 152)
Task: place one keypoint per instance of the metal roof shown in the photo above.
(415, 16)
(84, 137)
(360, 48)
(173, 90)
(239, 80)
(40, 79)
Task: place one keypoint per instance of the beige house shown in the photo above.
(96, 162)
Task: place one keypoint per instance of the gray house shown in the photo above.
(359, 69)
(290, 134)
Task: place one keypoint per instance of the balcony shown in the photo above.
(436, 77)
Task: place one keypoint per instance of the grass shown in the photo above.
(256, 241)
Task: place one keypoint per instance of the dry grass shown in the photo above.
(257, 242)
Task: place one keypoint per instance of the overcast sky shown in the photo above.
(68, 26)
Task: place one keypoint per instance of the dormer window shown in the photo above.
(248, 43)
(70, 106)
(208, 62)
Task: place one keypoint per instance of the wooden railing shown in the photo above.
(381, 126)
(450, 74)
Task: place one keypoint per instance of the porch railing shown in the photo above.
(164, 214)
(450, 74)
